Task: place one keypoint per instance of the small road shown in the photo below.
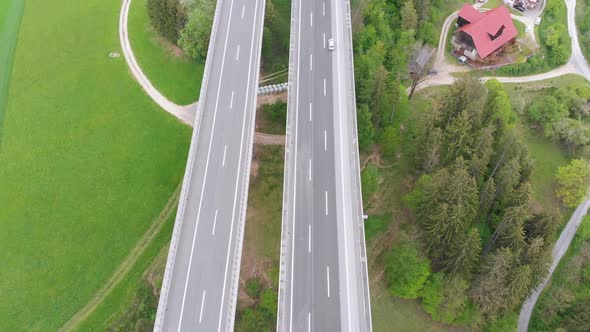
(559, 250)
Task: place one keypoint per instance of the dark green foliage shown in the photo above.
(366, 131)
(253, 287)
(277, 114)
(406, 271)
(463, 256)
(578, 319)
(506, 323)
(168, 17)
(142, 313)
(369, 181)
(374, 225)
(194, 37)
(275, 39)
(390, 142)
(446, 300)
(261, 316)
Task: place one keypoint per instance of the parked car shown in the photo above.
(528, 29)
(538, 21)
(331, 44)
(462, 60)
(519, 8)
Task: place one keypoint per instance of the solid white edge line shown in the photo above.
(342, 178)
(202, 306)
(214, 223)
(206, 169)
(295, 173)
(231, 231)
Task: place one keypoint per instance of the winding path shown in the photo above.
(558, 251)
(185, 113)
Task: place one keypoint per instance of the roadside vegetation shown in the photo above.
(86, 162)
(565, 302)
(10, 17)
(275, 38)
(583, 24)
(555, 47)
(171, 71)
(259, 275)
(273, 118)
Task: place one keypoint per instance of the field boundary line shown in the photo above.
(126, 265)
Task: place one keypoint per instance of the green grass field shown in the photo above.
(10, 16)
(175, 75)
(87, 162)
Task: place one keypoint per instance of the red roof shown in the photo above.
(470, 14)
(491, 31)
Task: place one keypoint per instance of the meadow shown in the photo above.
(87, 162)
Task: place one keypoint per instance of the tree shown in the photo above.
(406, 271)
(519, 285)
(389, 141)
(489, 289)
(573, 182)
(268, 304)
(431, 150)
(409, 16)
(463, 256)
(458, 138)
(579, 318)
(366, 131)
(168, 17)
(194, 38)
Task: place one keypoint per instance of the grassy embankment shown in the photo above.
(175, 75)
(87, 163)
(393, 223)
(569, 285)
(10, 16)
(583, 24)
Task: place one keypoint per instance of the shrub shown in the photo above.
(573, 182)
(253, 287)
(194, 38)
(406, 271)
(369, 181)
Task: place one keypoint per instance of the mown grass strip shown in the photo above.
(10, 16)
(127, 264)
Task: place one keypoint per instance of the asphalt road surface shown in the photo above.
(201, 279)
(323, 283)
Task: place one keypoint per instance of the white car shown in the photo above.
(331, 44)
(528, 29)
(538, 21)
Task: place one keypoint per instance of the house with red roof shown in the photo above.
(480, 34)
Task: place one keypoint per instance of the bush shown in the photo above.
(573, 182)
(390, 142)
(168, 17)
(194, 38)
(406, 271)
(276, 112)
(369, 181)
(253, 287)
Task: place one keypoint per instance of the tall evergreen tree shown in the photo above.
(464, 256)
(458, 138)
(519, 285)
(489, 289)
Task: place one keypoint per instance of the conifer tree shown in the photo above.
(464, 256)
